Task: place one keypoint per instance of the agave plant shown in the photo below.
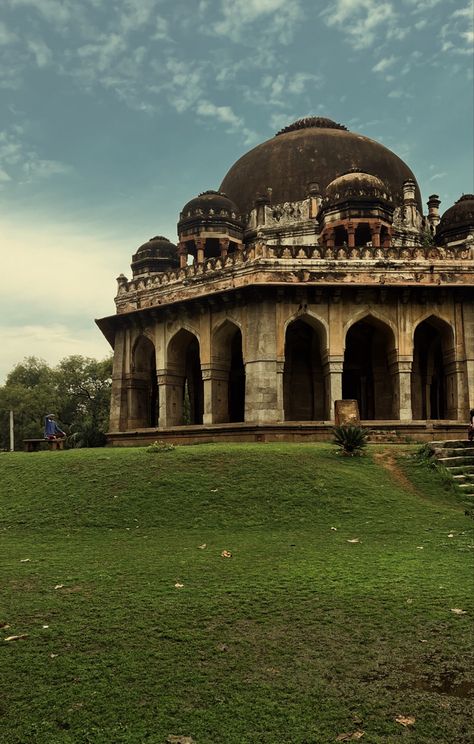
(351, 439)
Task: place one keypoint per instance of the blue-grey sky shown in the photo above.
(115, 114)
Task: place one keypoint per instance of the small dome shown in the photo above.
(356, 186)
(458, 220)
(208, 204)
(156, 255)
(158, 247)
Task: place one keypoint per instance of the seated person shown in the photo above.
(51, 429)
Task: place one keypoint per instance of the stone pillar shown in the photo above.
(330, 237)
(138, 384)
(216, 394)
(401, 372)
(170, 396)
(200, 248)
(183, 255)
(224, 246)
(387, 241)
(350, 235)
(375, 228)
(118, 400)
(332, 369)
(262, 399)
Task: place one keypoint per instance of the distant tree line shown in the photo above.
(77, 391)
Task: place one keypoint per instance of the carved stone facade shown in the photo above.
(259, 320)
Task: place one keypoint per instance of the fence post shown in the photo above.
(12, 433)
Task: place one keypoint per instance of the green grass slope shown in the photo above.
(137, 628)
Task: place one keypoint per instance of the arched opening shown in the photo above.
(304, 394)
(144, 403)
(184, 364)
(363, 236)
(434, 393)
(228, 396)
(366, 375)
(340, 236)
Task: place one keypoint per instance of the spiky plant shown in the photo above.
(351, 439)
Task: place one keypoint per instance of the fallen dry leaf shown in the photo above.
(458, 611)
(351, 736)
(25, 560)
(450, 534)
(406, 720)
(226, 554)
(4, 626)
(45, 626)
(214, 490)
(334, 528)
(419, 547)
(179, 739)
(178, 585)
(59, 586)
(203, 546)
(16, 637)
(354, 540)
(52, 656)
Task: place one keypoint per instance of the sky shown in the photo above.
(115, 114)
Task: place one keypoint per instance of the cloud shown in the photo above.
(20, 162)
(40, 51)
(457, 35)
(383, 64)
(364, 22)
(226, 115)
(275, 18)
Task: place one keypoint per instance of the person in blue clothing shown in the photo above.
(51, 429)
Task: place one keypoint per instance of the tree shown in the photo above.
(77, 391)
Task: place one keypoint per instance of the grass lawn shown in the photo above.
(137, 628)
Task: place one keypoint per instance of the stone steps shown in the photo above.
(457, 456)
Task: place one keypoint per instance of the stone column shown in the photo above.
(332, 368)
(216, 394)
(224, 246)
(350, 235)
(262, 399)
(375, 229)
(118, 400)
(170, 396)
(200, 248)
(138, 384)
(401, 372)
(183, 255)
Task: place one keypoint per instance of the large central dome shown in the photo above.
(312, 150)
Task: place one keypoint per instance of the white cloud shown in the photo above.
(20, 161)
(226, 115)
(457, 35)
(242, 16)
(384, 63)
(40, 51)
(364, 22)
(6, 36)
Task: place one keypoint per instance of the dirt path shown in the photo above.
(388, 461)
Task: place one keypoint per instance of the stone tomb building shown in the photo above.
(311, 275)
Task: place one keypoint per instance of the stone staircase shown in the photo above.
(457, 456)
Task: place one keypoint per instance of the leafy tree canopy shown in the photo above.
(77, 391)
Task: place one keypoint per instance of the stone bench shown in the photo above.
(34, 445)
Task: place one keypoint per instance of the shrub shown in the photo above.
(351, 439)
(160, 446)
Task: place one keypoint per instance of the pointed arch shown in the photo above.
(228, 373)
(143, 399)
(368, 374)
(304, 382)
(434, 388)
(184, 365)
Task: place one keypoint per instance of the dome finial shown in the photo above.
(309, 122)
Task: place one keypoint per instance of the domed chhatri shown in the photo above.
(311, 150)
(209, 226)
(458, 221)
(158, 254)
(310, 278)
(211, 204)
(357, 186)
